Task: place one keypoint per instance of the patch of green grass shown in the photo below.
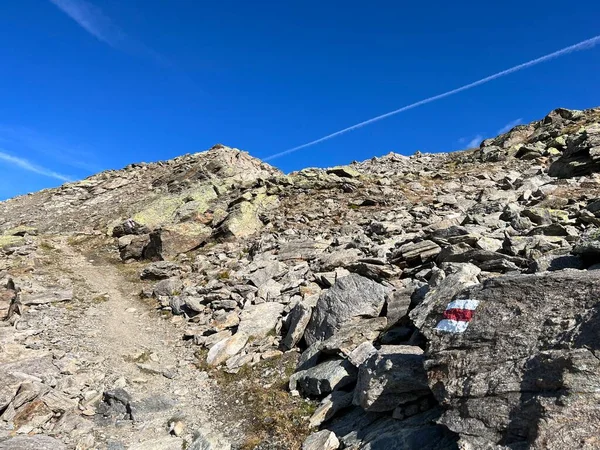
(99, 299)
(271, 413)
(224, 275)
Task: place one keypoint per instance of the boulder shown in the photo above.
(330, 406)
(523, 365)
(226, 348)
(390, 377)
(350, 297)
(259, 320)
(463, 276)
(323, 378)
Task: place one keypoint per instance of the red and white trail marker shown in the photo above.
(457, 316)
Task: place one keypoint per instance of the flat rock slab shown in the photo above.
(165, 443)
(38, 442)
(259, 320)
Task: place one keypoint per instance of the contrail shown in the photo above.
(584, 45)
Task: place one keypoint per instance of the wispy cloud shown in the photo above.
(95, 22)
(31, 167)
(475, 141)
(510, 125)
(22, 139)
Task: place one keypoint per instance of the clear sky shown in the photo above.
(98, 84)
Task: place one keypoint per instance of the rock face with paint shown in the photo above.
(435, 301)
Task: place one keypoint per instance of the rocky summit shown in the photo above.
(210, 302)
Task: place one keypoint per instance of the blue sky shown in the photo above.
(94, 85)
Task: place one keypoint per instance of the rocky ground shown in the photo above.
(212, 302)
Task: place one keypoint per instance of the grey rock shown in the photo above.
(324, 378)
(38, 442)
(160, 270)
(142, 410)
(395, 370)
(298, 320)
(421, 251)
(301, 249)
(465, 275)
(321, 440)
(330, 406)
(350, 297)
(48, 296)
(169, 287)
(372, 431)
(513, 384)
(129, 227)
(259, 320)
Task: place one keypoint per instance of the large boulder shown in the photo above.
(518, 365)
(392, 376)
(582, 155)
(350, 297)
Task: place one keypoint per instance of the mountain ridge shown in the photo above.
(443, 301)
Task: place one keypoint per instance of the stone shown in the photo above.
(172, 240)
(297, 322)
(360, 429)
(421, 251)
(323, 378)
(329, 407)
(321, 440)
(350, 297)
(361, 353)
(267, 272)
(242, 221)
(129, 227)
(259, 320)
(48, 296)
(143, 410)
(160, 270)
(168, 287)
(301, 250)
(464, 275)
(133, 247)
(344, 172)
(524, 364)
(38, 442)
(383, 379)
(226, 348)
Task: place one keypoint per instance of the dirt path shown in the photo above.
(119, 341)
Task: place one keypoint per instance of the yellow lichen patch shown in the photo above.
(20, 231)
(6, 241)
(159, 212)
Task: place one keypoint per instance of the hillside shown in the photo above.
(437, 301)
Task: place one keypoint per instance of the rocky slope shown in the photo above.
(439, 301)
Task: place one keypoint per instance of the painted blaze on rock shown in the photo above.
(457, 316)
